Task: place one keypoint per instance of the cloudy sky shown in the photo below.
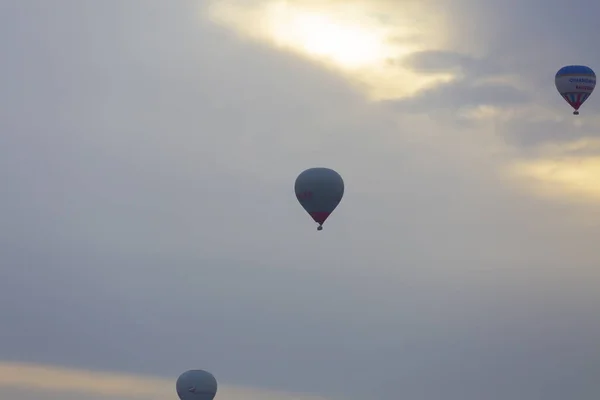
(148, 152)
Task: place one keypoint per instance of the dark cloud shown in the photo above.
(464, 93)
(461, 95)
(529, 135)
(447, 61)
(527, 130)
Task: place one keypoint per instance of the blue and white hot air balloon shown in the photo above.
(319, 191)
(196, 384)
(575, 83)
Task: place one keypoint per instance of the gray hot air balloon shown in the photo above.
(319, 191)
(196, 384)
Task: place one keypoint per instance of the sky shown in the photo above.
(148, 153)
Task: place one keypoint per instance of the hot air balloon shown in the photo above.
(319, 191)
(196, 385)
(575, 83)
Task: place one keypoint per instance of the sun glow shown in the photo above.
(348, 44)
(570, 170)
(351, 37)
(571, 176)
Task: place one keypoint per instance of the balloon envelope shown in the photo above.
(575, 83)
(319, 191)
(196, 385)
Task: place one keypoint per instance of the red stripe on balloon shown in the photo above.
(320, 217)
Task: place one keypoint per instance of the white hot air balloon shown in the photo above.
(196, 384)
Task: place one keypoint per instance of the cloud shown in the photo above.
(565, 170)
(444, 61)
(361, 40)
(54, 379)
(48, 382)
(462, 95)
(149, 221)
(482, 88)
